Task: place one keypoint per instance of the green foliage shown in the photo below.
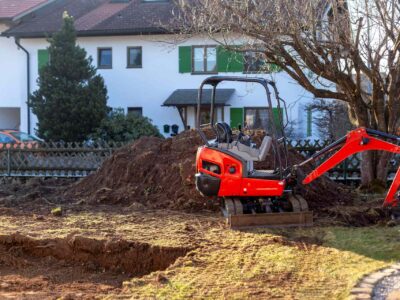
(121, 127)
(71, 100)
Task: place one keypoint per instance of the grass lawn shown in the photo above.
(315, 263)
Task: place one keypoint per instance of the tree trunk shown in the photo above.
(374, 164)
(382, 166)
(374, 170)
(367, 169)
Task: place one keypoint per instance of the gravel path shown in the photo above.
(388, 288)
(383, 284)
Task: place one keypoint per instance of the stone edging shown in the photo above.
(363, 290)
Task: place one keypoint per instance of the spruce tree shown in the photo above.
(71, 100)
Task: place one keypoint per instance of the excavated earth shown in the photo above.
(138, 215)
(89, 268)
(117, 252)
(87, 252)
(160, 174)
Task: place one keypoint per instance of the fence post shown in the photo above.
(8, 162)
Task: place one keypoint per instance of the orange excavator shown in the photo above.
(250, 197)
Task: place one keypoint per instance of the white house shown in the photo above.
(145, 71)
(13, 92)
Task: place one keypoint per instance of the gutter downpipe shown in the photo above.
(28, 84)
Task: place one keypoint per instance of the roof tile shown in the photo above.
(99, 17)
(12, 8)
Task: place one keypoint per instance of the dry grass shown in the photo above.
(314, 263)
(319, 263)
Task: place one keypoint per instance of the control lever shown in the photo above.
(240, 135)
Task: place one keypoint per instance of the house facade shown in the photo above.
(13, 92)
(148, 72)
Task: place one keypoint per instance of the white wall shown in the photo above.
(12, 78)
(151, 85)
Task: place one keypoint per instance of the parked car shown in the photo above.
(14, 138)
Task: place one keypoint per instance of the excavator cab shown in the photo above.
(225, 166)
(241, 144)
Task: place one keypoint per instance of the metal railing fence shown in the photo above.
(80, 159)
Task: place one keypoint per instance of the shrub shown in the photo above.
(121, 127)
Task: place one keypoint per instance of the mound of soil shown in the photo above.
(159, 173)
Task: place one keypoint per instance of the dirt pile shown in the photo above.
(154, 172)
(159, 173)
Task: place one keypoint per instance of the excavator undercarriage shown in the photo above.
(297, 213)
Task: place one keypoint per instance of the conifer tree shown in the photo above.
(71, 100)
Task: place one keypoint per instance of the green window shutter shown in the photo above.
(309, 122)
(278, 117)
(229, 61)
(185, 59)
(236, 117)
(43, 58)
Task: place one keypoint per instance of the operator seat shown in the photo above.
(246, 152)
(265, 147)
(253, 154)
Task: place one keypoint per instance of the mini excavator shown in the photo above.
(250, 197)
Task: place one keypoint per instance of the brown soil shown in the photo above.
(34, 194)
(160, 174)
(98, 251)
(75, 267)
(357, 215)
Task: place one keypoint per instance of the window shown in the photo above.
(204, 59)
(256, 118)
(205, 115)
(134, 57)
(254, 62)
(104, 58)
(5, 139)
(138, 111)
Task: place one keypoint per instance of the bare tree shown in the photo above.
(332, 120)
(350, 48)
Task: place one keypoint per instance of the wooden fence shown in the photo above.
(79, 160)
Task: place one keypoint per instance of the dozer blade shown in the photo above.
(271, 220)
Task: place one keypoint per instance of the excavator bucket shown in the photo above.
(299, 217)
(271, 220)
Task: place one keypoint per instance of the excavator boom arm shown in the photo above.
(358, 140)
